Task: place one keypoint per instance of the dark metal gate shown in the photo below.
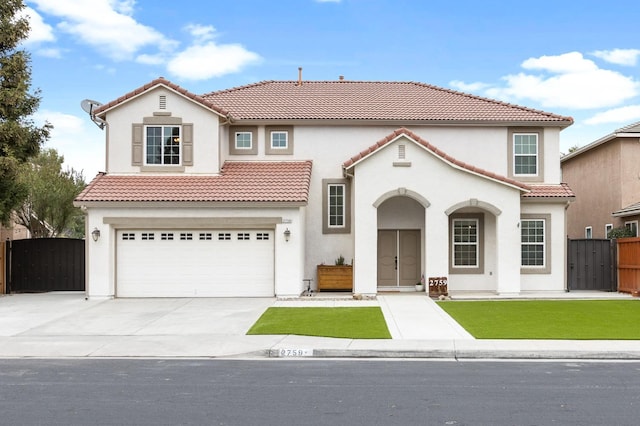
(591, 265)
(45, 264)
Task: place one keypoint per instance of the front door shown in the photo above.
(398, 258)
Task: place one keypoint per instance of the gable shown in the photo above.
(406, 135)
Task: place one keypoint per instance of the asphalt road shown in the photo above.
(317, 392)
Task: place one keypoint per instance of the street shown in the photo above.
(316, 392)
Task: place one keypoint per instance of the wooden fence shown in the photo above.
(629, 265)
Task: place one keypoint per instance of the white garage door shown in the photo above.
(195, 263)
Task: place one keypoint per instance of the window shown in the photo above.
(633, 227)
(244, 140)
(279, 140)
(148, 236)
(186, 236)
(205, 236)
(588, 232)
(243, 236)
(336, 206)
(525, 154)
(224, 236)
(608, 228)
(162, 145)
(128, 236)
(465, 243)
(166, 236)
(532, 242)
(262, 236)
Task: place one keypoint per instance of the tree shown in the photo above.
(48, 210)
(20, 138)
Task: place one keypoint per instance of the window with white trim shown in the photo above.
(465, 243)
(244, 140)
(162, 145)
(336, 204)
(532, 243)
(633, 227)
(525, 154)
(608, 228)
(279, 139)
(588, 232)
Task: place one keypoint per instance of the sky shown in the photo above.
(578, 59)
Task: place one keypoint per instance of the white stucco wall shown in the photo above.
(556, 279)
(444, 188)
(205, 130)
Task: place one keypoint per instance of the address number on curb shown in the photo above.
(295, 352)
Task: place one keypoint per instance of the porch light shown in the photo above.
(95, 234)
(287, 234)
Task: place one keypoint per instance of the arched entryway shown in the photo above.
(400, 243)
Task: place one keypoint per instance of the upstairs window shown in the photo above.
(279, 140)
(525, 154)
(162, 145)
(244, 140)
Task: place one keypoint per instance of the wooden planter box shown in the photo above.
(335, 277)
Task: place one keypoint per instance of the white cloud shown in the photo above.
(77, 139)
(626, 114)
(564, 81)
(50, 53)
(38, 31)
(468, 87)
(205, 58)
(106, 25)
(619, 56)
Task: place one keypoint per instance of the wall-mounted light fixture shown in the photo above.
(95, 234)
(287, 234)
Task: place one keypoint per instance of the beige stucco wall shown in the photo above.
(604, 179)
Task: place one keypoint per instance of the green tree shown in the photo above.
(20, 138)
(620, 232)
(48, 210)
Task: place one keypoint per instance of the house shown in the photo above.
(605, 177)
(245, 191)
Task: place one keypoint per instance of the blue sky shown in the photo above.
(580, 59)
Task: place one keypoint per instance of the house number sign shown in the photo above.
(294, 352)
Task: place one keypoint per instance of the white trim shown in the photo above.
(537, 154)
(588, 232)
(454, 244)
(145, 141)
(608, 228)
(632, 224)
(235, 140)
(286, 139)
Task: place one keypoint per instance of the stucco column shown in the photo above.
(365, 229)
(508, 252)
(436, 243)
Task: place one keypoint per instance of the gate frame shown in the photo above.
(611, 276)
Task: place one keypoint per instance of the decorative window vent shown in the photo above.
(401, 152)
(163, 102)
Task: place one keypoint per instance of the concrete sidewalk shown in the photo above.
(67, 325)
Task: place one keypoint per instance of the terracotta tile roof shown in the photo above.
(160, 82)
(561, 190)
(361, 100)
(447, 158)
(259, 181)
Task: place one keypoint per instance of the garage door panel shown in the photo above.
(184, 263)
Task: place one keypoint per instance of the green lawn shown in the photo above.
(353, 323)
(548, 319)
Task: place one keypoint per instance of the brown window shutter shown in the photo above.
(187, 144)
(136, 144)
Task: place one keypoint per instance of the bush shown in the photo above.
(620, 232)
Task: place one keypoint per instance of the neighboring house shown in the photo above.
(14, 231)
(243, 192)
(605, 176)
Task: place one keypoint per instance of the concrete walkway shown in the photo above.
(67, 325)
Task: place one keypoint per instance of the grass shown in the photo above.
(548, 319)
(351, 323)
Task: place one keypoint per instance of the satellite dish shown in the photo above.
(89, 106)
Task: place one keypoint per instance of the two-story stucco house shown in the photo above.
(605, 175)
(243, 192)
